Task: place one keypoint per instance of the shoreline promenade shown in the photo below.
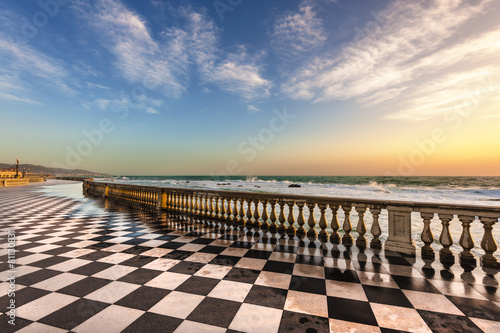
(86, 265)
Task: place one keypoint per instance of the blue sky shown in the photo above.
(252, 87)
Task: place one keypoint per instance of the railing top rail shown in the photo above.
(370, 203)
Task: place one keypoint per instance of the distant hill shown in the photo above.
(52, 171)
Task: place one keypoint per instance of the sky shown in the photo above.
(240, 87)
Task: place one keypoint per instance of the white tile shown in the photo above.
(309, 271)
(177, 304)
(162, 264)
(234, 251)
(42, 248)
(44, 306)
(112, 292)
(118, 247)
(110, 320)
(114, 272)
(230, 290)
(251, 263)
(32, 258)
(431, 302)
(275, 280)
(82, 244)
(376, 279)
(153, 243)
(156, 252)
(201, 257)
(456, 289)
(351, 327)
(259, 319)
(307, 303)
(118, 240)
(40, 328)
(188, 326)
(168, 280)
(116, 258)
(59, 281)
(21, 271)
(214, 271)
(487, 326)
(69, 265)
(345, 290)
(283, 256)
(191, 247)
(76, 253)
(399, 318)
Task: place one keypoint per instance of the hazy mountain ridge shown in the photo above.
(52, 171)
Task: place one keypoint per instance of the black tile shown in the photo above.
(202, 241)
(198, 285)
(388, 296)
(172, 245)
(212, 249)
(476, 308)
(414, 283)
(138, 261)
(19, 323)
(187, 267)
(443, 322)
(134, 234)
(166, 238)
(243, 245)
(308, 285)
(178, 255)
(99, 246)
(341, 275)
(91, 268)
(278, 267)
(74, 314)
(258, 254)
(300, 322)
(266, 296)
(351, 310)
(309, 260)
(84, 287)
(151, 322)
(215, 311)
(140, 276)
(102, 238)
(143, 298)
(225, 260)
(136, 250)
(49, 262)
(22, 296)
(135, 241)
(388, 330)
(372, 267)
(396, 260)
(35, 277)
(242, 275)
(96, 255)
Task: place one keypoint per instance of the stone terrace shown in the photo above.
(88, 266)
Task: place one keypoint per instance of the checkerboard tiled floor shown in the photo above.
(85, 268)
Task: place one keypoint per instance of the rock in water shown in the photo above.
(294, 185)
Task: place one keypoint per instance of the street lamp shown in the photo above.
(17, 168)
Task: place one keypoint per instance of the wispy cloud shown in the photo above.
(411, 43)
(183, 50)
(298, 32)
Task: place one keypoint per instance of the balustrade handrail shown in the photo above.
(243, 207)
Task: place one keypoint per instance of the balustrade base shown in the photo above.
(490, 262)
(406, 248)
(428, 254)
(468, 260)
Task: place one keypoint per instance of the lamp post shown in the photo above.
(17, 168)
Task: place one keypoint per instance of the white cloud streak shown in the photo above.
(410, 43)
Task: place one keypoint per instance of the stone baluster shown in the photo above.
(281, 218)
(300, 220)
(334, 236)
(361, 227)
(375, 230)
(466, 241)
(223, 208)
(256, 214)
(249, 214)
(188, 203)
(242, 212)
(488, 243)
(265, 216)
(427, 236)
(273, 216)
(229, 211)
(445, 239)
(210, 206)
(311, 221)
(216, 208)
(234, 218)
(291, 220)
(323, 235)
(347, 238)
(202, 205)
